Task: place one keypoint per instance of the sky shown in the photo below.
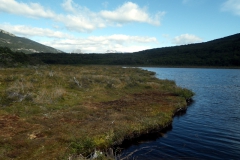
(100, 26)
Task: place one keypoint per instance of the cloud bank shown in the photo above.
(186, 39)
(100, 44)
(29, 31)
(81, 19)
(91, 44)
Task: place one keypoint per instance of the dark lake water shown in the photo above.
(210, 129)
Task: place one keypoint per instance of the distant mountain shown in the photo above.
(24, 45)
(223, 52)
(114, 51)
(77, 51)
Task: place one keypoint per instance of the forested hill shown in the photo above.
(220, 52)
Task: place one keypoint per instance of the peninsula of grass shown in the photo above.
(61, 112)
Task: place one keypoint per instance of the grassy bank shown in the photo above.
(55, 112)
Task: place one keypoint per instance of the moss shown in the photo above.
(73, 110)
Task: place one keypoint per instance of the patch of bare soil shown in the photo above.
(139, 99)
(12, 125)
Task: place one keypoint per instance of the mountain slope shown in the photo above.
(23, 44)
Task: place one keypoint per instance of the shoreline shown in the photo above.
(115, 150)
(204, 67)
(155, 133)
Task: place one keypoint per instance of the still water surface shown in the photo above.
(210, 129)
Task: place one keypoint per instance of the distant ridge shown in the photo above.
(222, 52)
(24, 45)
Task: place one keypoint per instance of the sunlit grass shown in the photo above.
(61, 111)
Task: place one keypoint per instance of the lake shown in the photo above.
(210, 129)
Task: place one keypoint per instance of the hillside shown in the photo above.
(220, 52)
(24, 45)
(224, 52)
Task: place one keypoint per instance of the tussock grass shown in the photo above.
(71, 111)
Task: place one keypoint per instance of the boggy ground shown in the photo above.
(57, 112)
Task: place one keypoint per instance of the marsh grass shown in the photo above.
(71, 111)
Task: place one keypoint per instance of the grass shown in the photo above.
(57, 112)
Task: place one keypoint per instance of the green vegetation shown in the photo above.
(60, 112)
(223, 52)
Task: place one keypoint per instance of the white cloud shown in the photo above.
(30, 10)
(100, 44)
(186, 39)
(92, 44)
(67, 5)
(232, 6)
(28, 31)
(138, 39)
(76, 23)
(79, 18)
(82, 19)
(131, 12)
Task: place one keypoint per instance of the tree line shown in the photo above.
(9, 58)
(221, 52)
(224, 52)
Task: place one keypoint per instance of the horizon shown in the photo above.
(113, 51)
(129, 26)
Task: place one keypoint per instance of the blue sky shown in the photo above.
(97, 26)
